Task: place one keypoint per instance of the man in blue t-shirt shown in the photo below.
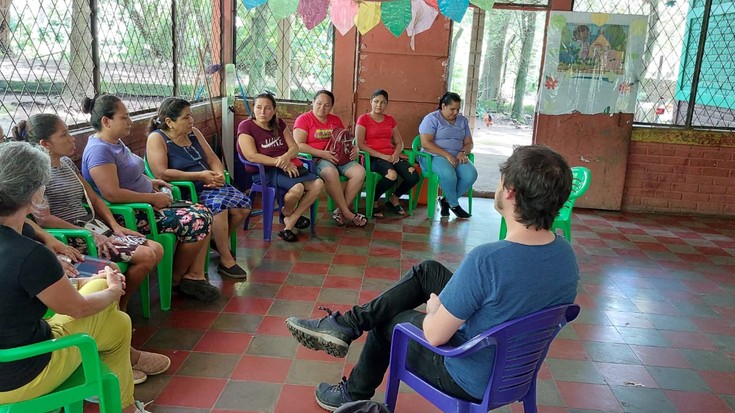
(531, 269)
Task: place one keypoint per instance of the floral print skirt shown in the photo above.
(189, 224)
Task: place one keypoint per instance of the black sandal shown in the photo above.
(303, 223)
(397, 209)
(378, 212)
(358, 221)
(287, 235)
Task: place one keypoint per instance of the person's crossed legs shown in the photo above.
(336, 331)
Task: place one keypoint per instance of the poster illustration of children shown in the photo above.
(592, 63)
(589, 48)
(582, 36)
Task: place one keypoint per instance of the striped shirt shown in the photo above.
(65, 193)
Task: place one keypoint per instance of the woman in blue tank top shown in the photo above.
(176, 150)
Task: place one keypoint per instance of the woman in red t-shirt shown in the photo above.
(312, 132)
(266, 139)
(378, 135)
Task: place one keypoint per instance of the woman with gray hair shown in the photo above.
(33, 281)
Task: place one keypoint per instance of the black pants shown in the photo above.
(379, 316)
(409, 179)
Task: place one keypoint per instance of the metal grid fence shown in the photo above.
(686, 80)
(282, 56)
(54, 53)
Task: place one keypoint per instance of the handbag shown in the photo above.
(303, 171)
(95, 225)
(340, 144)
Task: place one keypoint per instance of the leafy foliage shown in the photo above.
(282, 57)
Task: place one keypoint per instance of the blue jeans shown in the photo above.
(453, 181)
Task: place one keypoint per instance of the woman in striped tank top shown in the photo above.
(65, 194)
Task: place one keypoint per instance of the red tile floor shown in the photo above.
(656, 331)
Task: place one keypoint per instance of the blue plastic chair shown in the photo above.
(272, 197)
(521, 346)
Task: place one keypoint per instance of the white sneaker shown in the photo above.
(140, 406)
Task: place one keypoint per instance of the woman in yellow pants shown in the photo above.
(33, 281)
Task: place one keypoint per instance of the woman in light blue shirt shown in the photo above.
(445, 134)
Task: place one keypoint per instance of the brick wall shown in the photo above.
(680, 178)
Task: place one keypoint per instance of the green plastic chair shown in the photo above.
(194, 197)
(432, 185)
(330, 202)
(127, 213)
(372, 179)
(581, 179)
(92, 379)
(167, 240)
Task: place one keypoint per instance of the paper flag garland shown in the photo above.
(368, 16)
(422, 17)
(283, 8)
(483, 4)
(251, 4)
(343, 14)
(433, 4)
(454, 9)
(312, 12)
(397, 15)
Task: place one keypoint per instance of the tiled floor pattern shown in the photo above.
(656, 332)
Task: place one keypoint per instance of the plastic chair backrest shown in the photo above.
(416, 144)
(245, 163)
(147, 167)
(581, 179)
(520, 348)
(522, 345)
(92, 383)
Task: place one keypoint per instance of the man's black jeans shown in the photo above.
(379, 316)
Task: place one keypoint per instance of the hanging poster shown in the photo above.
(592, 63)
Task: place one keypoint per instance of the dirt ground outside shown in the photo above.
(493, 145)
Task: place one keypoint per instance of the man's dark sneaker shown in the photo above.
(459, 212)
(324, 334)
(331, 396)
(444, 207)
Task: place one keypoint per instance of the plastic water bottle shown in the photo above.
(166, 190)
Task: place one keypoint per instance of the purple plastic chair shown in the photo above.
(272, 197)
(521, 346)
